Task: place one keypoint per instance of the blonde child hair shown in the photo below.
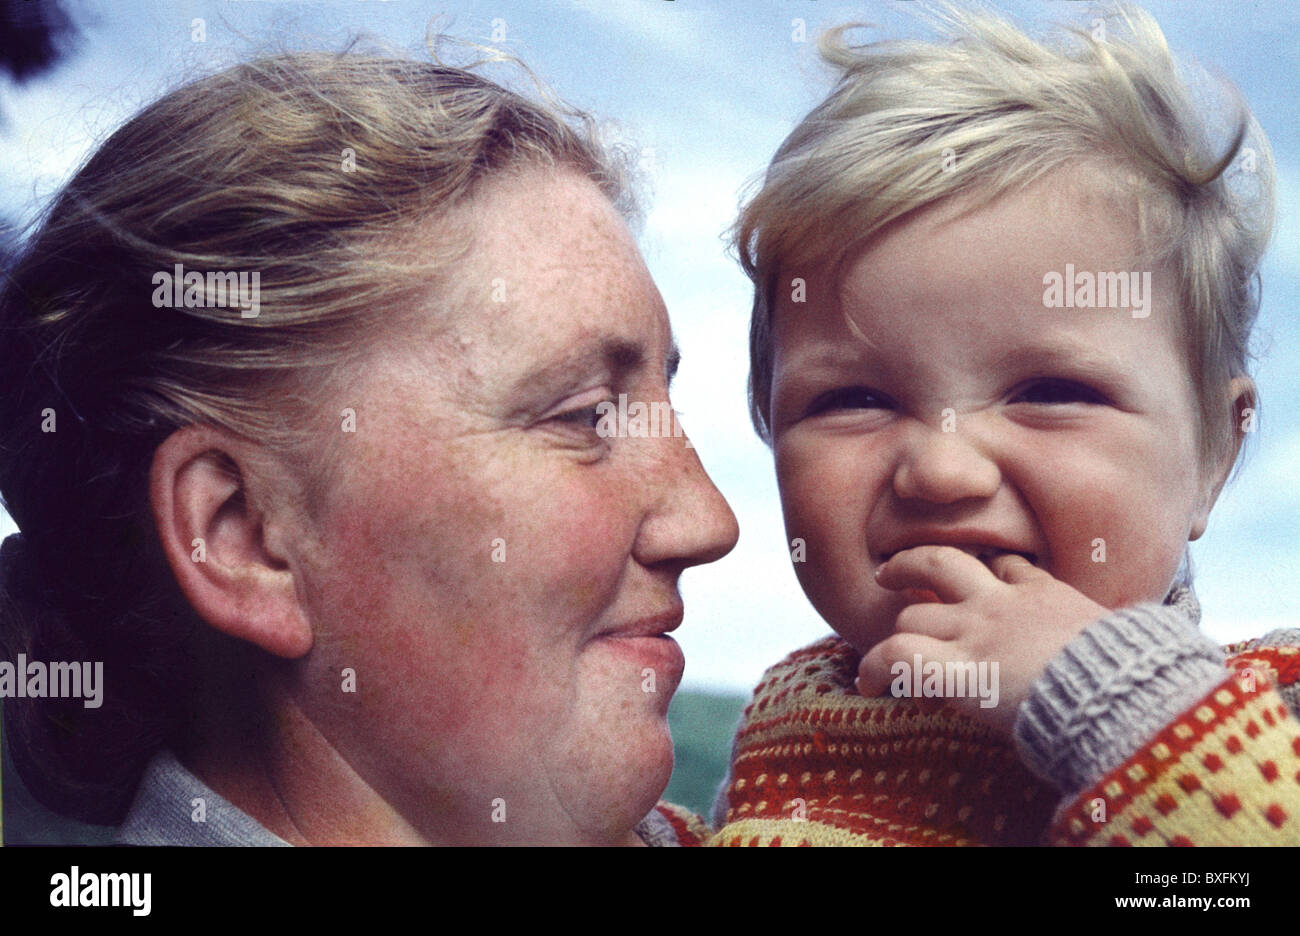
(911, 123)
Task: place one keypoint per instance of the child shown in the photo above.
(1003, 296)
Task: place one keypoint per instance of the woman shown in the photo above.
(305, 444)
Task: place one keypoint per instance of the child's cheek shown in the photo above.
(826, 493)
(1111, 538)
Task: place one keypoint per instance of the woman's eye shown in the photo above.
(846, 398)
(1050, 392)
(584, 417)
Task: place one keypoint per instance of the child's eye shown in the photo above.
(1050, 392)
(846, 398)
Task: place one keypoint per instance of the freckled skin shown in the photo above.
(946, 300)
(480, 680)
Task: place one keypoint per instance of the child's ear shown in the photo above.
(1242, 402)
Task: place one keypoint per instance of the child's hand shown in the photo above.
(1011, 613)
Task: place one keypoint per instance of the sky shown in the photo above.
(705, 90)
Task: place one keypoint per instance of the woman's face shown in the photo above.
(498, 573)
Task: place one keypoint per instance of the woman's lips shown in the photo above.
(646, 643)
(660, 654)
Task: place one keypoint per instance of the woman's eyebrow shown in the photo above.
(616, 355)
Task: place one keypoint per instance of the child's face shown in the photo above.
(965, 412)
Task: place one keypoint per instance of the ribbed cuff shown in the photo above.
(1115, 686)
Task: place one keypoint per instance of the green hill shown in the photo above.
(703, 726)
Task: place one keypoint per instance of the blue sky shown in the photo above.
(707, 89)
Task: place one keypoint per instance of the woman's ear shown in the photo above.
(1243, 402)
(214, 538)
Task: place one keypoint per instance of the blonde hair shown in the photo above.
(309, 169)
(1009, 109)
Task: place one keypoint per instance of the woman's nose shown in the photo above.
(943, 468)
(689, 521)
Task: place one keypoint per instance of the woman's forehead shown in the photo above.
(549, 282)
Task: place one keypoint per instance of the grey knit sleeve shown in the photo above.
(656, 831)
(1113, 688)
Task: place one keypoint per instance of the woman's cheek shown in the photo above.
(500, 693)
(583, 542)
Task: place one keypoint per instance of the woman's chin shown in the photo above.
(656, 772)
(639, 770)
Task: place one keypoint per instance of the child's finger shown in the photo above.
(952, 575)
(1015, 569)
(875, 670)
(937, 620)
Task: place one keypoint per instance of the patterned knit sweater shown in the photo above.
(1136, 735)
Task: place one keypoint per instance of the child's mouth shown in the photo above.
(985, 554)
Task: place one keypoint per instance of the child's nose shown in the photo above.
(942, 467)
